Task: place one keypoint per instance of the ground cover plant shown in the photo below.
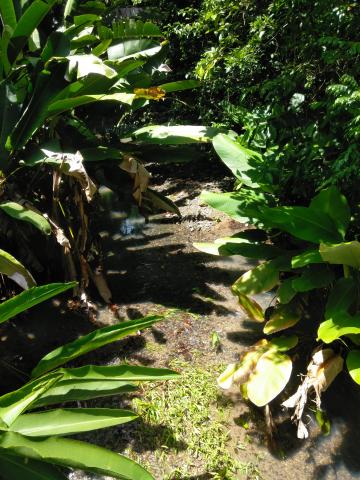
(33, 437)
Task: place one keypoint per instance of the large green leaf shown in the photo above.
(174, 135)
(260, 279)
(306, 258)
(82, 65)
(79, 390)
(14, 403)
(65, 104)
(302, 222)
(353, 365)
(241, 161)
(243, 206)
(340, 324)
(131, 28)
(92, 381)
(14, 467)
(13, 269)
(313, 276)
(271, 374)
(341, 297)
(76, 454)
(57, 45)
(19, 212)
(135, 48)
(30, 19)
(35, 295)
(347, 253)
(239, 246)
(92, 341)
(7, 12)
(334, 204)
(48, 84)
(68, 421)
(179, 85)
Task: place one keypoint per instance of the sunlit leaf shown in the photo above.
(68, 421)
(33, 296)
(12, 268)
(339, 325)
(271, 375)
(283, 317)
(76, 454)
(92, 341)
(19, 212)
(259, 279)
(342, 254)
(251, 307)
(241, 161)
(306, 258)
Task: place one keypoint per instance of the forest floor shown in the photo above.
(189, 429)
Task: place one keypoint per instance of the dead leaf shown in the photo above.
(138, 172)
(72, 164)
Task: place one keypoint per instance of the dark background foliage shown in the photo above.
(283, 73)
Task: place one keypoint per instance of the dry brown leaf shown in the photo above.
(325, 365)
(72, 165)
(138, 172)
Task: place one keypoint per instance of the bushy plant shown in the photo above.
(283, 71)
(308, 255)
(32, 435)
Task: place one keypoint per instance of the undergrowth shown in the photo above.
(193, 438)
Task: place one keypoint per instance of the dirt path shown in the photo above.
(156, 268)
(190, 430)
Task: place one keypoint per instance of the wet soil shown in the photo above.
(152, 267)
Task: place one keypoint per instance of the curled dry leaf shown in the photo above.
(72, 164)
(139, 173)
(325, 365)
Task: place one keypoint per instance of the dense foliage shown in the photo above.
(287, 72)
(56, 76)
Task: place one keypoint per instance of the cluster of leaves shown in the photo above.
(285, 72)
(54, 152)
(32, 439)
(305, 253)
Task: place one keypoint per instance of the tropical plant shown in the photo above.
(51, 77)
(282, 73)
(32, 442)
(306, 253)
